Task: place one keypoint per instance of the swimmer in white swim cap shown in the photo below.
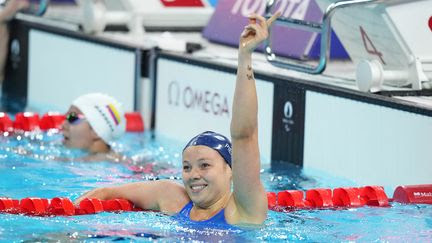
(93, 122)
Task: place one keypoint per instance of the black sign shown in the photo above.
(14, 96)
(288, 125)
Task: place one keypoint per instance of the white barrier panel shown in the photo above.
(191, 99)
(367, 143)
(414, 27)
(62, 68)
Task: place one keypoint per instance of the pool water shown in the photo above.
(29, 167)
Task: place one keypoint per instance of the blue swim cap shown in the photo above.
(213, 140)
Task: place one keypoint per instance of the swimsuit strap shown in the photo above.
(219, 218)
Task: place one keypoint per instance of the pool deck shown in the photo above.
(338, 73)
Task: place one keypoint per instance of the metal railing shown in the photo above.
(324, 28)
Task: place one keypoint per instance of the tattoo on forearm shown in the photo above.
(249, 76)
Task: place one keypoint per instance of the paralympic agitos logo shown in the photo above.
(204, 100)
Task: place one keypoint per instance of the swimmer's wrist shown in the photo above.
(4, 17)
(105, 193)
(244, 54)
(8, 12)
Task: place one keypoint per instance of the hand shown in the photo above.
(12, 7)
(254, 33)
(99, 193)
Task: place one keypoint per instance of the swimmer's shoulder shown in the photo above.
(110, 156)
(173, 196)
(235, 215)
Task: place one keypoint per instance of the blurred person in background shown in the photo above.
(7, 13)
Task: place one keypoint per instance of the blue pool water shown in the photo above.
(28, 167)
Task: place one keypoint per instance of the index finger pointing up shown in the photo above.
(273, 18)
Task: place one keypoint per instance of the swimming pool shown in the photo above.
(37, 175)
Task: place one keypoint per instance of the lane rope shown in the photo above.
(31, 121)
(320, 198)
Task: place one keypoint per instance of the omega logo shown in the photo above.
(15, 51)
(288, 112)
(15, 47)
(191, 98)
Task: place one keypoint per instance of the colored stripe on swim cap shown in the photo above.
(114, 113)
(213, 140)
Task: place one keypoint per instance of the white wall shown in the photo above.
(367, 143)
(414, 28)
(62, 68)
(180, 116)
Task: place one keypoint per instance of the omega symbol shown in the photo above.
(288, 114)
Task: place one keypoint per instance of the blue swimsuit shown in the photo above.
(218, 220)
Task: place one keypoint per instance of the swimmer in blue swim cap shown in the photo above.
(213, 140)
(221, 182)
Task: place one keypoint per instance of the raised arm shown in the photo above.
(6, 14)
(249, 193)
(165, 196)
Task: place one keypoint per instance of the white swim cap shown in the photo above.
(104, 113)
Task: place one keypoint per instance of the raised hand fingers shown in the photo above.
(249, 30)
(251, 27)
(252, 20)
(262, 21)
(255, 32)
(273, 18)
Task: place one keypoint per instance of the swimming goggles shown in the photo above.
(74, 118)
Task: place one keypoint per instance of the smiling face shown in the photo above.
(77, 134)
(206, 175)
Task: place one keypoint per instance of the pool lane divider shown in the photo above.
(348, 197)
(30, 121)
(321, 198)
(59, 206)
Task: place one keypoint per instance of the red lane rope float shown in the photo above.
(29, 121)
(34, 206)
(6, 124)
(9, 205)
(51, 120)
(291, 198)
(90, 206)
(26, 121)
(319, 198)
(374, 196)
(134, 122)
(59, 206)
(345, 197)
(413, 194)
